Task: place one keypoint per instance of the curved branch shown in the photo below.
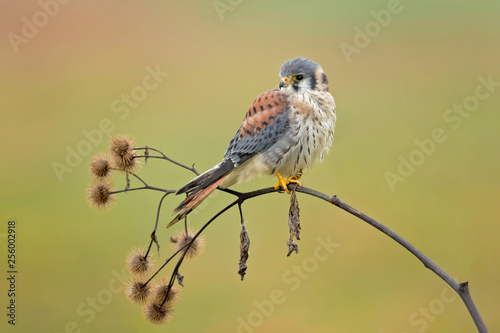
(462, 289)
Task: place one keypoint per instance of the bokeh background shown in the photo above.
(72, 70)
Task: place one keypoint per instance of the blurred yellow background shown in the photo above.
(399, 71)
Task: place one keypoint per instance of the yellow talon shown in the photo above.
(282, 182)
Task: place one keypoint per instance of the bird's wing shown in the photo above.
(266, 121)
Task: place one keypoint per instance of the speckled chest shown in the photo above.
(312, 123)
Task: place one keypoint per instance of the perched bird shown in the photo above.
(285, 131)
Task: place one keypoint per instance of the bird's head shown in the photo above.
(301, 75)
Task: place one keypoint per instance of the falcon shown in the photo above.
(285, 131)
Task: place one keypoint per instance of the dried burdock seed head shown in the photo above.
(122, 153)
(137, 263)
(137, 292)
(183, 238)
(157, 314)
(100, 166)
(99, 194)
(161, 290)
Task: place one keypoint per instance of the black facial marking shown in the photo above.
(313, 82)
(324, 79)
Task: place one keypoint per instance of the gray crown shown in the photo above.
(299, 66)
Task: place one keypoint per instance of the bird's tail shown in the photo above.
(201, 187)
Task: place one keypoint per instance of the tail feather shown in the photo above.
(208, 177)
(194, 199)
(195, 183)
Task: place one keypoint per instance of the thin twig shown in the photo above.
(186, 247)
(143, 188)
(153, 234)
(163, 156)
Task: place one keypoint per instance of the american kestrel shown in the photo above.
(285, 131)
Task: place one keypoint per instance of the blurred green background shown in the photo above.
(63, 77)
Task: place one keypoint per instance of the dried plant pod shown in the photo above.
(161, 292)
(137, 292)
(157, 314)
(100, 166)
(244, 247)
(183, 238)
(122, 153)
(293, 224)
(138, 263)
(99, 194)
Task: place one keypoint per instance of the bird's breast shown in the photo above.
(312, 123)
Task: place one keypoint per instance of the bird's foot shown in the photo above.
(282, 182)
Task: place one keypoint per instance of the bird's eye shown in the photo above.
(299, 77)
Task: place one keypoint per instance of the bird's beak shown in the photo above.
(285, 82)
